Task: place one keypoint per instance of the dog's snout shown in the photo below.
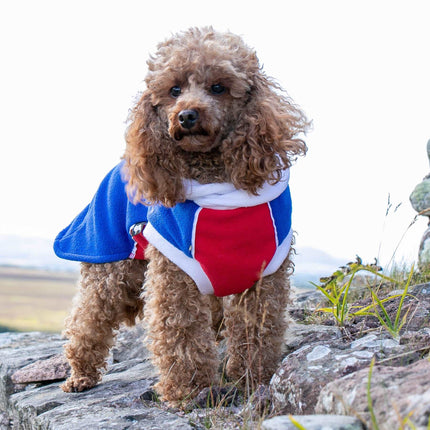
(188, 118)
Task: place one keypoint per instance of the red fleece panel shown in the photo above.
(141, 244)
(234, 246)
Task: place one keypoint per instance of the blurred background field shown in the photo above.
(35, 300)
(37, 287)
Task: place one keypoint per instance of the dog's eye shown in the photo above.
(175, 91)
(217, 89)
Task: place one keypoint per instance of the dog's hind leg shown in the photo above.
(110, 294)
(255, 324)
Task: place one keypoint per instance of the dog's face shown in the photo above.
(199, 85)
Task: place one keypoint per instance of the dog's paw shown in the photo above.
(76, 384)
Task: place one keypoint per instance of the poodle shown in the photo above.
(192, 230)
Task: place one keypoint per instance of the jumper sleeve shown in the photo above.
(100, 233)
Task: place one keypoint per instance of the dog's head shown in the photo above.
(207, 101)
(199, 83)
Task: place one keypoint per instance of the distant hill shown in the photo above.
(32, 252)
(311, 264)
(37, 253)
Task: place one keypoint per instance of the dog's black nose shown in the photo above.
(188, 118)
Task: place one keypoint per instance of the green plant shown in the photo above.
(337, 292)
(378, 310)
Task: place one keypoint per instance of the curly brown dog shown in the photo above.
(210, 119)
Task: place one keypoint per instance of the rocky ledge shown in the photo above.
(323, 381)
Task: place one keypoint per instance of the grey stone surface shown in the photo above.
(421, 289)
(29, 362)
(100, 416)
(115, 404)
(31, 366)
(51, 369)
(18, 350)
(5, 422)
(317, 355)
(303, 373)
(309, 300)
(129, 344)
(298, 335)
(313, 422)
(397, 393)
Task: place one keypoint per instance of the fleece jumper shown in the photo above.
(225, 239)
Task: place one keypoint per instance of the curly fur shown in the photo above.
(245, 135)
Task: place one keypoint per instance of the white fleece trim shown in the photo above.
(274, 225)
(281, 254)
(225, 196)
(193, 236)
(190, 266)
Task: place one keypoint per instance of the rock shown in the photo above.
(5, 422)
(129, 344)
(396, 393)
(308, 300)
(31, 365)
(318, 354)
(424, 250)
(420, 201)
(29, 362)
(420, 196)
(101, 416)
(53, 369)
(297, 383)
(298, 335)
(115, 404)
(421, 289)
(313, 422)
(18, 350)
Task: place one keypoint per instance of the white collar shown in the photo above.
(225, 196)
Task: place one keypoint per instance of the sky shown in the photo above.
(359, 69)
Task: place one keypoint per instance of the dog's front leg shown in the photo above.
(109, 295)
(180, 334)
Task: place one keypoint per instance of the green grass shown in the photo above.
(336, 287)
(32, 300)
(377, 309)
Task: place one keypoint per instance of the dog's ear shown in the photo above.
(151, 168)
(265, 141)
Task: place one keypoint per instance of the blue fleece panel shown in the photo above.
(282, 209)
(100, 233)
(175, 224)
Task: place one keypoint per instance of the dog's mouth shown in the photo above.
(180, 134)
(198, 140)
